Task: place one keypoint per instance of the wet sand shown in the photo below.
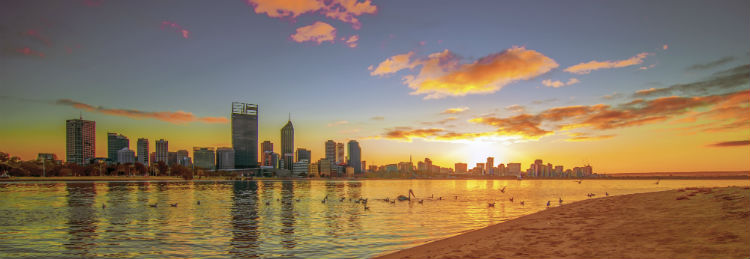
(686, 223)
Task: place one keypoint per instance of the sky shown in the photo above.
(627, 86)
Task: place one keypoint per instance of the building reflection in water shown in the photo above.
(245, 220)
(82, 219)
(287, 214)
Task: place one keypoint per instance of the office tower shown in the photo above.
(162, 151)
(225, 158)
(287, 145)
(115, 142)
(301, 167)
(171, 158)
(490, 165)
(245, 134)
(265, 147)
(364, 166)
(183, 158)
(514, 169)
(354, 156)
(461, 168)
(142, 150)
(427, 164)
(204, 157)
(313, 170)
(501, 170)
(125, 155)
(324, 167)
(340, 153)
(80, 141)
(330, 150)
(303, 154)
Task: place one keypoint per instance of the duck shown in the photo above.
(491, 204)
(173, 205)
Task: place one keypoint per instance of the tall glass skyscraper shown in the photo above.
(354, 156)
(116, 142)
(245, 134)
(287, 145)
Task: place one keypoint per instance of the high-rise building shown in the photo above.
(245, 134)
(461, 168)
(340, 158)
(80, 141)
(225, 158)
(204, 157)
(364, 166)
(183, 158)
(324, 167)
(490, 165)
(115, 142)
(301, 167)
(142, 150)
(330, 150)
(354, 156)
(427, 164)
(303, 153)
(265, 147)
(514, 169)
(162, 151)
(172, 158)
(125, 155)
(287, 145)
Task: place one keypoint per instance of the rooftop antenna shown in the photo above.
(290, 116)
(80, 115)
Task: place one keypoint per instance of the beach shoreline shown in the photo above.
(683, 223)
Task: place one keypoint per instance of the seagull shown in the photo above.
(367, 208)
(579, 181)
(522, 203)
(173, 205)
(269, 203)
(421, 201)
(560, 200)
(199, 202)
(503, 189)
(547, 204)
(511, 199)
(323, 201)
(491, 204)
(455, 197)
(104, 206)
(152, 205)
(606, 193)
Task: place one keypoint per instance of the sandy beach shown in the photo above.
(685, 223)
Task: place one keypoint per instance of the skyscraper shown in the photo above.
(245, 134)
(266, 147)
(183, 157)
(80, 141)
(287, 145)
(490, 165)
(354, 156)
(142, 149)
(204, 157)
(125, 155)
(330, 151)
(162, 151)
(340, 153)
(115, 142)
(303, 154)
(225, 158)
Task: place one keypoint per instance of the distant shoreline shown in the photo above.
(684, 223)
(175, 178)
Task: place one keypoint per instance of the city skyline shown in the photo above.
(644, 94)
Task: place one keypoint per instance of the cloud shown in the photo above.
(26, 51)
(585, 68)
(440, 122)
(178, 117)
(317, 32)
(558, 83)
(647, 67)
(37, 35)
(436, 134)
(351, 41)
(728, 111)
(337, 123)
(722, 81)
(738, 143)
(614, 95)
(578, 137)
(665, 47)
(393, 64)
(711, 65)
(443, 74)
(343, 10)
(378, 118)
(168, 25)
(455, 110)
(516, 108)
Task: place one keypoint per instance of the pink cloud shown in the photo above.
(30, 52)
(665, 47)
(343, 10)
(587, 67)
(318, 32)
(176, 27)
(393, 64)
(351, 41)
(178, 117)
(558, 83)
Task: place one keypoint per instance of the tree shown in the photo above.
(4, 157)
(163, 168)
(140, 168)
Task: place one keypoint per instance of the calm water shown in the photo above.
(270, 218)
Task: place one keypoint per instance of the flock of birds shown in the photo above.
(407, 197)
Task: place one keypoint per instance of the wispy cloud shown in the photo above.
(337, 123)
(343, 10)
(711, 64)
(317, 32)
(516, 108)
(178, 117)
(578, 137)
(558, 83)
(351, 41)
(440, 122)
(722, 81)
(738, 143)
(168, 25)
(455, 110)
(377, 118)
(587, 67)
(443, 73)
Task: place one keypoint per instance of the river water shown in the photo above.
(220, 219)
